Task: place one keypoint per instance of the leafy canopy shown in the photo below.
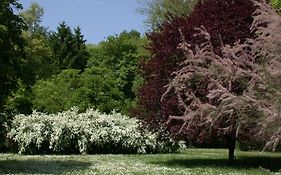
(11, 48)
(122, 54)
(108, 82)
(12, 55)
(160, 11)
(39, 63)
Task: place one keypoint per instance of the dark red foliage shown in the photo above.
(226, 20)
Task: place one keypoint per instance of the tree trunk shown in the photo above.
(231, 149)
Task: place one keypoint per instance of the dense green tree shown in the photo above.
(36, 38)
(11, 48)
(11, 52)
(122, 54)
(55, 94)
(40, 66)
(80, 55)
(39, 55)
(19, 102)
(38, 58)
(100, 90)
(69, 50)
(92, 88)
(108, 83)
(160, 11)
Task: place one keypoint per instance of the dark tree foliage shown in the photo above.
(80, 53)
(227, 21)
(39, 62)
(69, 50)
(11, 53)
(11, 48)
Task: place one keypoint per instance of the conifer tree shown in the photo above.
(69, 50)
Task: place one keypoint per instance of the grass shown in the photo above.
(191, 161)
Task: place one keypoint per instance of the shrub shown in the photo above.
(89, 132)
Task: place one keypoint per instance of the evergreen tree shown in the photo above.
(80, 55)
(69, 50)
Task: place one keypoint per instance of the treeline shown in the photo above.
(63, 71)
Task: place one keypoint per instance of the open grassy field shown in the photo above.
(191, 161)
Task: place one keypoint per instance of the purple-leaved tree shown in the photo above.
(234, 95)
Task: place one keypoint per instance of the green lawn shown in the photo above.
(191, 161)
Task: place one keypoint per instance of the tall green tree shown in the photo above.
(69, 50)
(33, 17)
(40, 64)
(11, 48)
(122, 54)
(160, 11)
(37, 47)
(11, 53)
(81, 54)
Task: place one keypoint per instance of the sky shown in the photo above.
(97, 18)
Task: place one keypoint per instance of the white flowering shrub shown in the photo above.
(90, 132)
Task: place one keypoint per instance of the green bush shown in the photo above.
(90, 132)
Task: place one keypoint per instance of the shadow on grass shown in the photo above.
(41, 167)
(272, 164)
